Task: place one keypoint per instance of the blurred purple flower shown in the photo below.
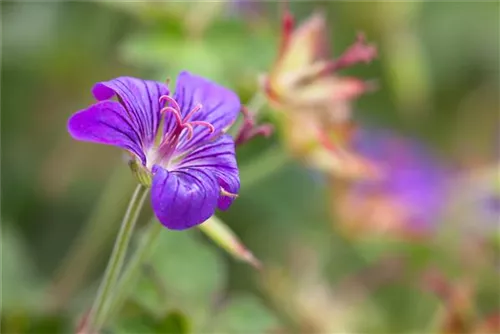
(492, 203)
(409, 197)
(250, 8)
(481, 202)
(177, 142)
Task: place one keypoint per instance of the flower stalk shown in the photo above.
(144, 249)
(106, 289)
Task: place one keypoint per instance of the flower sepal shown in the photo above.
(141, 173)
(224, 237)
(250, 129)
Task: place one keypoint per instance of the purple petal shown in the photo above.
(220, 106)
(218, 158)
(106, 123)
(183, 198)
(140, 99)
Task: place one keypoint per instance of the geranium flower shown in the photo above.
(407, 199)
(177, 144)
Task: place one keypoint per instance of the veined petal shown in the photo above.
(107, 123)
(183, 198)
(217, 158)
(220, 106)
(141, 100)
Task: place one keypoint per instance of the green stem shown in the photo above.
(144, 249)
(106, 289)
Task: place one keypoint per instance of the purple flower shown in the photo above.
(178, 142)
(414, 185)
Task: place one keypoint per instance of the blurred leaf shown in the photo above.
(173, 323)
(244, 314)
(21, 283)
(403, 312)
(169, 54)
(135, 318)
(219, 55)
(184, 274)
(151, 11)
(20, 322)
(471, 45)
(24, 41)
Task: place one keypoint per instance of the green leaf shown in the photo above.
(168, 54)
(219, 55)
(173, 323)
(183, 274)
(135, 318)
(21, 287)
(244, 314)
(23, 322)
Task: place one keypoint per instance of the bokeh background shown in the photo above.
(62, 200)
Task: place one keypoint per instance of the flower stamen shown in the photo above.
(170, 100)
(210, 127)
(169, 141)
(184, 123)
(189, 128)
(224, 192)
(176, 114)
(195, 109)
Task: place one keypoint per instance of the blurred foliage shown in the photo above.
(437, 77)
(192, 283)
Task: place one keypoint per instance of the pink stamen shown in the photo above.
(170, 141)
(189, 128)
(170, 100)
(195, 109)
(210, 127)
(224, 192)
(176, 113)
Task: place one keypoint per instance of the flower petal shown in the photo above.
(107, 123)
(183, 198)
(218, 158)
(141, 99)
(305, 45)
(220, 106)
